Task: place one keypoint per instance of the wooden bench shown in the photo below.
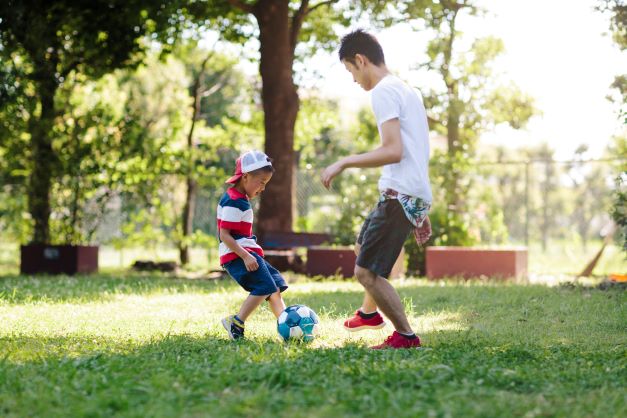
(289, 240)
(280, 248)
(322, 260)
(467, 262)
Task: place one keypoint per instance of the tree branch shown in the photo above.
(297, 22)
(299, 17)
(322, 3)
(214, 89)
(70, 67)
(241, 5)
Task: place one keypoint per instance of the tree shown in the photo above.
(15, 106)
(469, 102)
(281, 25)
(617, 9)
(287, 31)
(589, 193)
(56, 39)
(216, 89)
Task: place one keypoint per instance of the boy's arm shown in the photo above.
(229, 241)
(390, 151)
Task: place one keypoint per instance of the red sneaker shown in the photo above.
(357, 323)
(396, 340)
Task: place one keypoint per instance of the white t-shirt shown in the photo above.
(392, 98)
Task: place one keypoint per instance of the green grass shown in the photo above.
(562, 257)
(139, 346)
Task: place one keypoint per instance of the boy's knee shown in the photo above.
(365, 276)
(357, 248)
(273, 295)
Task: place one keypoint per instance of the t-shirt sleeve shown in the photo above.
(386, 104)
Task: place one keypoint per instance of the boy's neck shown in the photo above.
(378, 73)
(240, 189)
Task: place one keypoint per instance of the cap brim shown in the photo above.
(234, 179)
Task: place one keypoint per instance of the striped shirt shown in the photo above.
(236, 215)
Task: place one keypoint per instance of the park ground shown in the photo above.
(147, 345)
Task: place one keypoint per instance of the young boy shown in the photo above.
(404, 186)
(240, 255)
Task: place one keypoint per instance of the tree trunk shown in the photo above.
(42, 159)
(280, 105)
(546, 188)
(454, 146)
(453, 114)
(188, 219)
(190, 195)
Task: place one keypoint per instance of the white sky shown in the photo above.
(558, 51)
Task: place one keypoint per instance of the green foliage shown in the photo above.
(508, 104)
(316, 136)
(358, 194)
(16, 105)
(321, 140)
(618, 210)
(617, 9)
(153, 346)
(469, 99)
(119, 142)
(50, 42)
(93, 39)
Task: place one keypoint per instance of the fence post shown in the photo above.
(527, 164)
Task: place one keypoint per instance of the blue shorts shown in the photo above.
(264, 281)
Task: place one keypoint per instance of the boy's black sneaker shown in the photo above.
(233, 327)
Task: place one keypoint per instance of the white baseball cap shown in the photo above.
(247, 162)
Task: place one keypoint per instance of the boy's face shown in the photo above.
(254, 184)
(358, 71)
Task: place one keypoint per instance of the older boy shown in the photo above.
(404, 186)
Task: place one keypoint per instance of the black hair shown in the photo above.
(361, 42)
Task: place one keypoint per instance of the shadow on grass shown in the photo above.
(183, 374)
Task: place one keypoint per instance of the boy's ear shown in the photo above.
(360, 60)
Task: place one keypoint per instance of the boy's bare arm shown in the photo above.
(229, 241)
(390, 151)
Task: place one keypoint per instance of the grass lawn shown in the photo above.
(134, 346)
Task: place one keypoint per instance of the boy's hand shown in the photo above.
(423, 233)
(251, 263)
(330, 172)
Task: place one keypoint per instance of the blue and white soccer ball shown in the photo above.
(298, 322)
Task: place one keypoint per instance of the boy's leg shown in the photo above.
(234, 324)
(277, 305)
(366, 317)
(368, 305)
(385, 297)
(251, 303)
(260, 285)
(275, 300)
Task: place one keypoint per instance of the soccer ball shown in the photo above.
(298, 322)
